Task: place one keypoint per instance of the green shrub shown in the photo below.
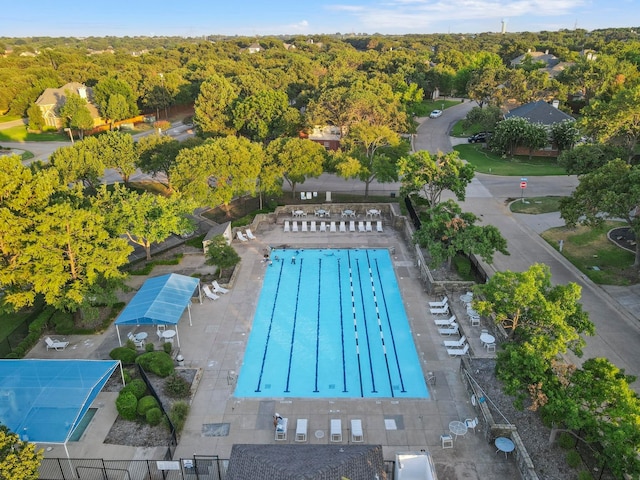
(463, 265)
(154, 416)
(178, 415)
(573, 458)
(62, 322)
(126, 374)
(149, 347)
(126, 404)
(124, 354)
(147, 403)
(585, 475)
(167, 347)
(176, 387)
(41, 320)
(137, 387)
(156, 362)
(130, 345)
(566, 441)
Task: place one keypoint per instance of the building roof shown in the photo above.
(539, 112)
(306, 462)
(548, 58)
(58, 96)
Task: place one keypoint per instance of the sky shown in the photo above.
(194, 18)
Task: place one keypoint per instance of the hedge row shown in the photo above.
(35, 332)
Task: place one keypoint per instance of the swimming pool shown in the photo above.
(330, 323)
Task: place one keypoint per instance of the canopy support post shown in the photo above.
(118, 332)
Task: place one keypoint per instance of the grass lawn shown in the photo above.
(488, 162)
(20, 134)
(9, 118)
(536, 205)
(587, 248)
(9, 321)
(427, 106)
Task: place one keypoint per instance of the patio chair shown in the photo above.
(343, 227)
(301, 430)
(218, 289)
(379, 226)
(451, 330)
(456, 343)
(356, 431)
(304, 226)
(281, 428)
(446, 440)
(491, 347)
(475, 320)
(336, 430)
(440, 303)
(313, 225)
(209, 294)
(241, 237)
(332, 227)
(471, 423)
(136, 342)
(249, 234)
(294, 226)
(445, 323)
(287, 228)
(352, 226)
(440, 310)
(458, 352)
(361, 227)
(53, 344)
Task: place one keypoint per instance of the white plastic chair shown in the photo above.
(361, 227)
(379, 226)
(53, 344)
(313, 225)
(336, 430)
(332, 227)
(356, 431)
(304, 226)
(471, 423)
(352, 226)
(294, 226)
(343, 227)
(249, 234)
(323, 226)
(301, 430)
(241, 237)
(287, 227)
(446, 440)
(368, 227)
(209, 294)
(458, 352)
(218, 289)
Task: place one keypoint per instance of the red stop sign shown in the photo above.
(523, 184)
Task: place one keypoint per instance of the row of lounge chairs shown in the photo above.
(448, 327)
(332, 226)
(302, 427)
(214, 292)
(245, 237)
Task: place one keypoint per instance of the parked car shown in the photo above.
(435, 114)
(481, 137)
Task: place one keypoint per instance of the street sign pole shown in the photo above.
(523, 185)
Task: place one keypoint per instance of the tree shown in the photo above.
(81, 162)
(157, 154)
(295, 160)
(265, 116)
(19, 460)
(118, 151)
(509, 134)
(75, 113)
(588, 157)
(611, 191)
(486, 118)
(115, 100)
(213, 107)
(564, 134)
(448, 231)
(430, 175)
(36, 120)
(221, 254)
(536, 136)
(218, 170)
(368, 155)
(144, 218)
(117, 109)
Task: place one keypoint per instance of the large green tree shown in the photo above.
(157, 155)
(75, 113)
(213, 107)
(294, 159)
(115, 99)
(19, 460)
(265, 116)
(118, 151)
(588, 157)
(80, 163)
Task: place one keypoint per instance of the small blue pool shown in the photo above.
(331, 323)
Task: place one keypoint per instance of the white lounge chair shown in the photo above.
(456, 343)
(352, 226)
(287, 227)
(356, 431)
(139, 343)
(313, 225)
(323, 226)
(379, 226)
(368, 226)
(440, 310)
(304, 226)
(332, 227)
(458, 352)
(249, 234)
(241, 237)
(217, 288)
(452, 330)
(53, 344)
(281, 428)
(441, 322)
(294, 226)
(209, 294)
(440, 304)
(301, 430)
(343, 227)
(361, 226)
(336, 430)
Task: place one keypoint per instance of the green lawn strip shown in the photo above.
(9, 118)
(536, 205)
(587, 248)
(20, 134)
(488, 162)
(458, 129)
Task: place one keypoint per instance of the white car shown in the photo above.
(435, 114)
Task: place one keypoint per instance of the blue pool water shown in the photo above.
(332, 324)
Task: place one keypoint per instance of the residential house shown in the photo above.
(52, 99)
(254, 48)
(552, 64)
(328, 136)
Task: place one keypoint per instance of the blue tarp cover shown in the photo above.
(160, 301)
(44, 400)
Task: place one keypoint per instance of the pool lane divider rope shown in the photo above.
(366, 327)
(293, 330)
(266, 343)
(355, 325)
(386, 311)
(315, 390)
(342, 345)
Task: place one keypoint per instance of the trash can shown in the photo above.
(180, 360)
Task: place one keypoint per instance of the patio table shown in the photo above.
(504, 444)
(458, 428)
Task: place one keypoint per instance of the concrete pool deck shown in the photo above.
(215, 344)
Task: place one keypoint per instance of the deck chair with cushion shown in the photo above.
(458, 352)
(440, 322)
(53, 344)
(249, 234)
(209, 294)
(301, 430)
(379, 226)
(356, 431)
(336, 430)
(241, 237)
(218, 289)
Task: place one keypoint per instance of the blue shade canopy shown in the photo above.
(44, 400)
(160, 301)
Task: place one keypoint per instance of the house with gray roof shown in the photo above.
(52, 99)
